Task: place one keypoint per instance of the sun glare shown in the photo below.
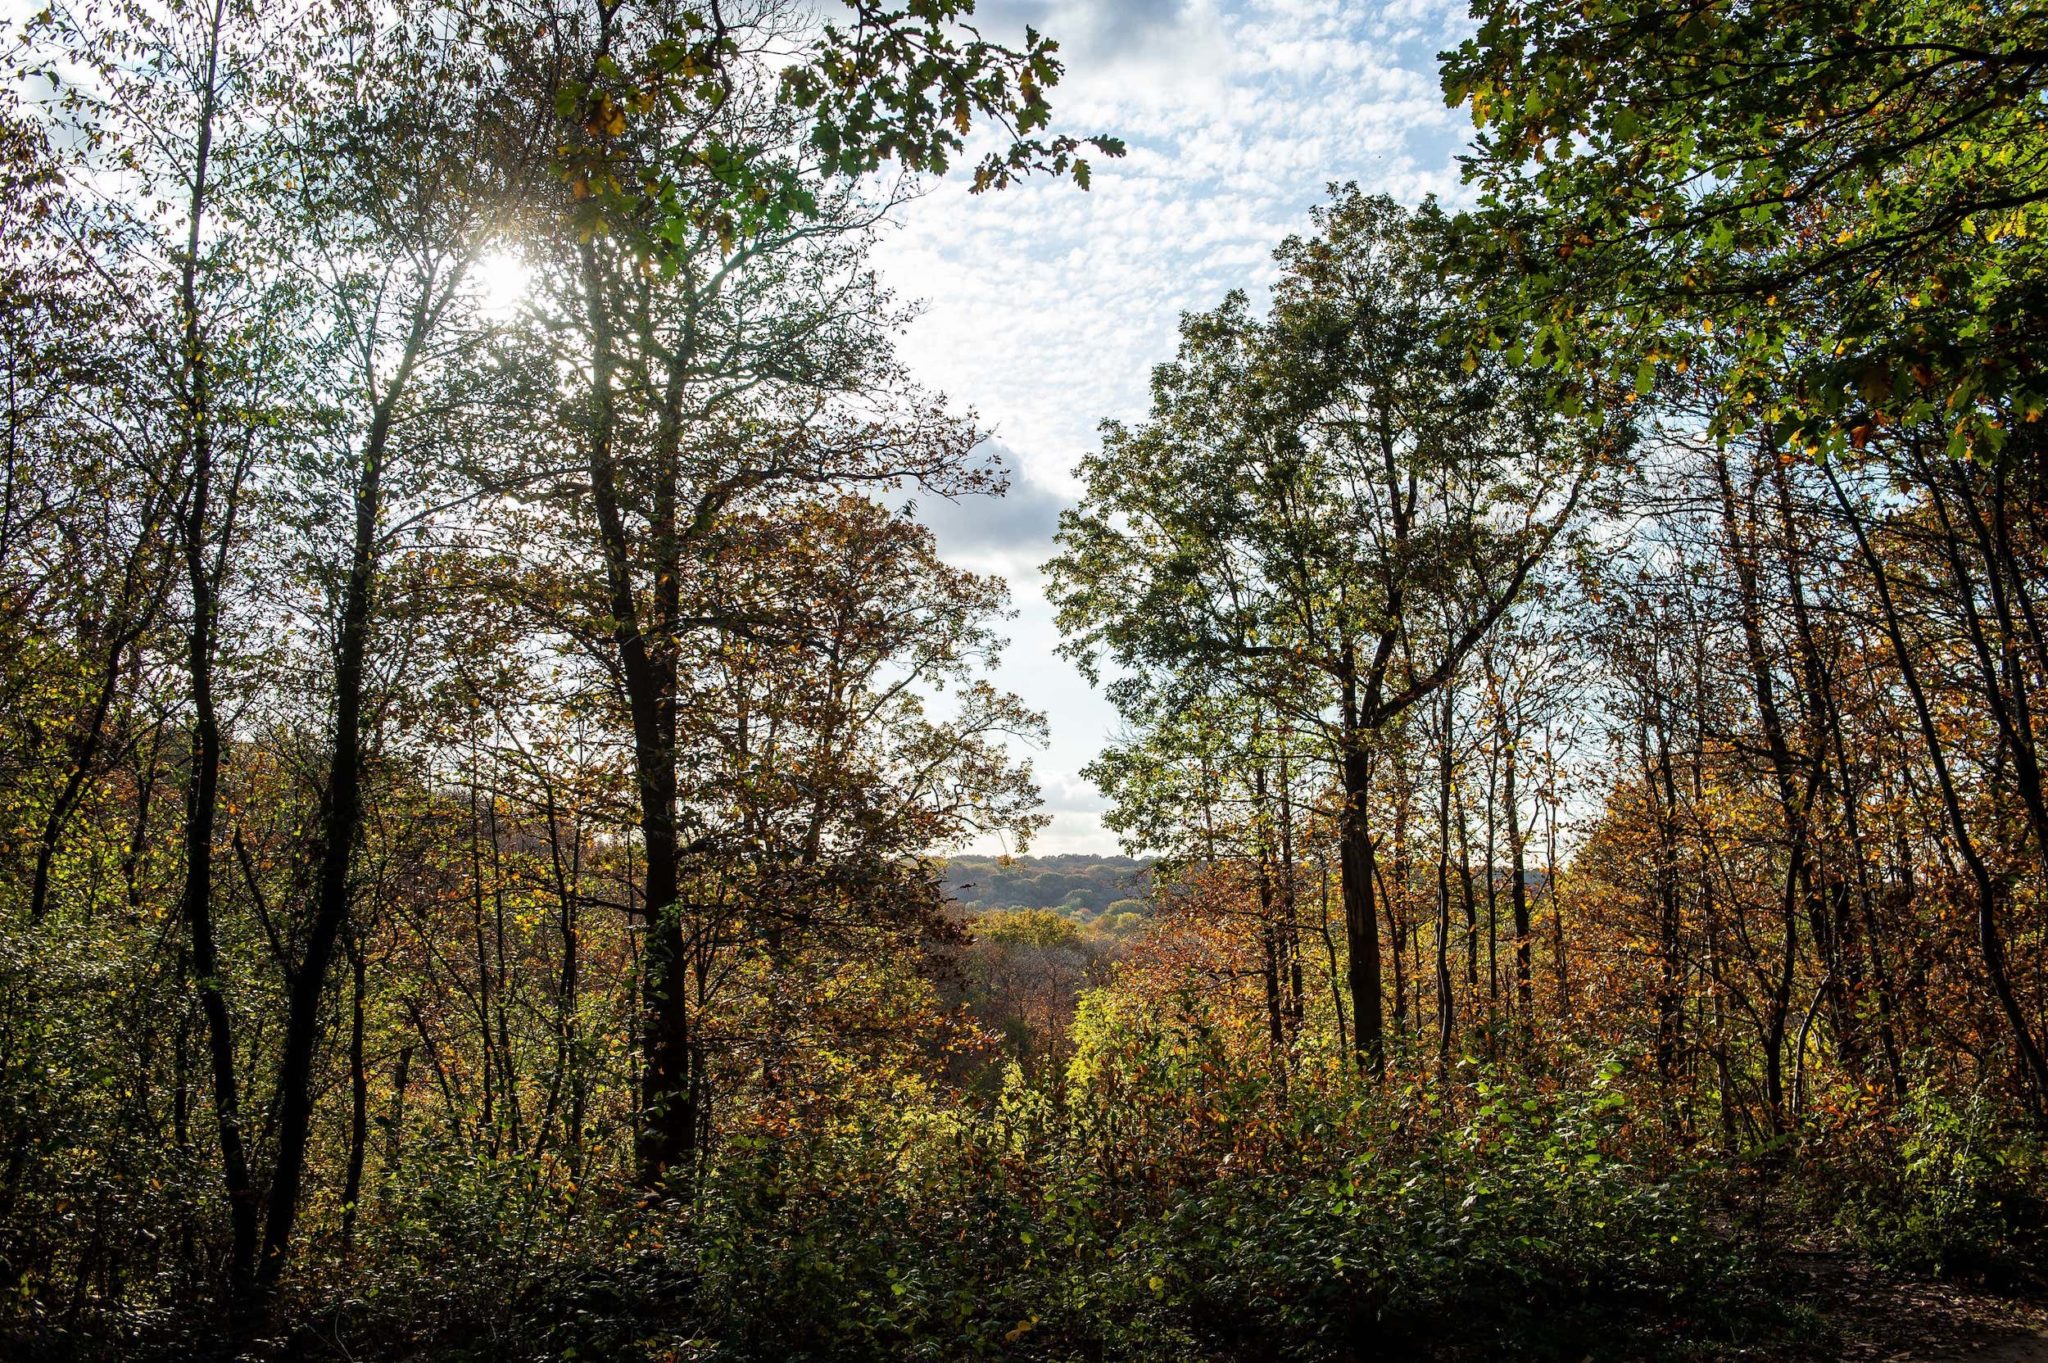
(502, 279)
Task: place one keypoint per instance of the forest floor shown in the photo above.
(1878, 1316)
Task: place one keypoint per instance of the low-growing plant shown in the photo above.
(1953, 1190)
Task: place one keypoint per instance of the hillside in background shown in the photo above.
(1044, 930)
(1081, 887)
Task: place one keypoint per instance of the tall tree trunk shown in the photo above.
(81, 751)
(1273, 967)
(1794, 805)
(1356, 873)
(203, 798)
(1492, 876)
(2002, 662)
(359, 1107)
(1830, 746)
(1560, 960)
(1330, 955)
(1394, 888)
(1670, 981)
(1468, 897)
(341, 827)
(342, 810)
(1518, 888)
(394, 1122)
(1290, 907)
(1446, 1002)
(666, 1140)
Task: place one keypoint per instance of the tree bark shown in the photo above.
(1784, 772)
(359, 1108)
(1518, 889)
(1361, 919)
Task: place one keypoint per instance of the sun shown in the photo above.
(502, 279)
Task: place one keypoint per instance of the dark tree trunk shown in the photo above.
(1794, 804)
(667, 1136)
(1670, 980)
(394, 1121)
(359, 1107)
(1518, 891)
(1272, 940)
(307, 979)
(203, 792)
(1990, 945)
(341, 821)
(1361, 920)
(1446, 1002)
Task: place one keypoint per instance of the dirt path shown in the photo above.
(1880, 1317)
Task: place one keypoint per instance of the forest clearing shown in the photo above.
(565, 794)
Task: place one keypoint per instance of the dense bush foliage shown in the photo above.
(1172, 1207)
(1951, 1186)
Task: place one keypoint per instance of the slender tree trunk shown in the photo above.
(394, 1122)
(1492, 880)
(82, 751)
(1560, 960)
(487, 1072)
(341, 827)
(1271, 948)
(2001, 662)
(1518, 890)
(1670, 981)
(1290, 907)
(1446, 1002)
(203, 799)
(1831, 746)
(1330, 956)
(359, 1107)
(667, 1135)
(1395, 889)
(1468, 897)
(1794, 805)
(508, 1078)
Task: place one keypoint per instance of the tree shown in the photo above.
(1328, 509)
(407, 173)
(1848, 196)
(1216, 783)
(731, 342)
(181, 103)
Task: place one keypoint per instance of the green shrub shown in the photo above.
(1348, 1224)
(1954, 1192)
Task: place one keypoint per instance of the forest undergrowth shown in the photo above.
(1168, 1205)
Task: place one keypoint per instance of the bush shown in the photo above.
(1954, 1191)
(1169, 1205)
(1348, 1224)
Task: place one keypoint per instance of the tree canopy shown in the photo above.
(1847, 197)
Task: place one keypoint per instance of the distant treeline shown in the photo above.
(1077, 885)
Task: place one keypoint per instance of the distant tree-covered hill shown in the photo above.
(1078, 886)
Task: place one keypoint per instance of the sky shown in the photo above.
(1045, 308)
